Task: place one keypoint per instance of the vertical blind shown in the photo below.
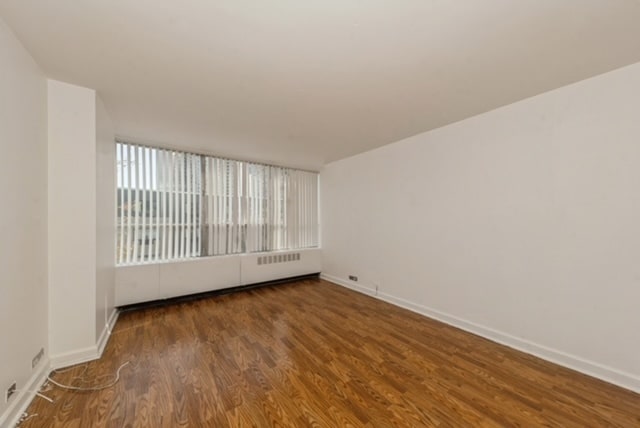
(177, 205)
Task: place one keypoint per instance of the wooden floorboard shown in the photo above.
(312, 353)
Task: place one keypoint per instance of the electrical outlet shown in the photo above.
(353, 278)
(37, 358)
(10, 391)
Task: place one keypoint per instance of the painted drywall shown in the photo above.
(81, 224)
(72, 218)
(23, 220)
(521, 224)
(105, 217)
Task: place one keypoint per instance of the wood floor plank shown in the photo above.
(311, 353)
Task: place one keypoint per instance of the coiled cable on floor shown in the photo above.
(90, 388)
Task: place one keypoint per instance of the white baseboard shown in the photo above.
(24, 396)
(106, 331)
(89, 353)
(74, 357)
(349, 284)
(600, 371)
(27, 393)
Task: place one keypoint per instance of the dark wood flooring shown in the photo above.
(312, 353)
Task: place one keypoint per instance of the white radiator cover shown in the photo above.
(148, 282)
(280, 264)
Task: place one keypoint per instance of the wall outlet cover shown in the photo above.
(10, 391)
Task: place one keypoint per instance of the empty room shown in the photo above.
(419, 213)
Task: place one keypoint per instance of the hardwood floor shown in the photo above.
(312, 353)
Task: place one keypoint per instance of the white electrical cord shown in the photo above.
(25, 417)
(37, 393)
(90, 388)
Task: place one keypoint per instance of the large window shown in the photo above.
(176, 205)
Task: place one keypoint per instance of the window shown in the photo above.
(177, 205)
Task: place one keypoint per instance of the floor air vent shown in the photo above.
(278, 258)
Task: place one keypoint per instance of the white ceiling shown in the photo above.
(303, 83)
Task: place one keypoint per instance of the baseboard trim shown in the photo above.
(89, 353)
(590, 368)
(72, 358)
(349, 284)
(106, 331)
(25, 395)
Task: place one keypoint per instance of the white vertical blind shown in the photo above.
(175, 205)
(222, 195)
(158, 196)
(281, 208)
(120, 203)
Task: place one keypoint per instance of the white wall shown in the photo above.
(105, 217)
(522, 224)
(23, 218)
(72, 217)
(81, 199)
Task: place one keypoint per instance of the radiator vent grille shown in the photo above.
(278, 258)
